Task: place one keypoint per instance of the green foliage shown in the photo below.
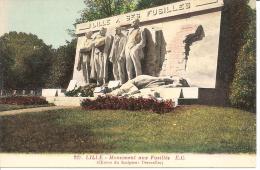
(235, 21)
(243, 88)
(5, 63)
(28, 63)
(86, 91)
(23, 100)
(25, 59)
(143, 4)
(123, 103)
(97, 9)
(62, 66)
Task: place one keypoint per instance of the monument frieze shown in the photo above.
(174, 9)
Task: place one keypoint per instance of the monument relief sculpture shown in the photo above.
(163, 41)
(133, 86)
(117, 56)
(134, 50)
(191, 38)
(99, 57)
(85, 57)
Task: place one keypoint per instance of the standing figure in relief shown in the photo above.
(117, 56)
(134, 50)
(99, 57)
(85, 57)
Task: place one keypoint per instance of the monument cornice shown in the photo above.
(151, 14)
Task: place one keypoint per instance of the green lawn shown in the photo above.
(194, 128)
(6, 107)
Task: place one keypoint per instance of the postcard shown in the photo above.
(128, 83)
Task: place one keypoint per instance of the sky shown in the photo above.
(48, 19)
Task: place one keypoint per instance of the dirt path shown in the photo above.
(30, 110)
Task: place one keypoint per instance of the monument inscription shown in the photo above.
(164, 11)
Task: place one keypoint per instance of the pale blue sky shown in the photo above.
(48, 19)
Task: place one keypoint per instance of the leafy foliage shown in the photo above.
(97, 9)
(5, 63)
(243, 88)
(23, 100)
(86, 91)
(25, 59)
(62, 66)
(114, 103)
(235, 22)
(143, 4)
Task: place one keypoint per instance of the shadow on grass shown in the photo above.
(200, 129)
(39, 133)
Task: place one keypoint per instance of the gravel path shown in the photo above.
(30, 110)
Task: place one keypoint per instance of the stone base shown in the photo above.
(67, 101)
(188, 101)
(179, 92)
(181, 96)
(53, 92)
(174, 94)
(76, 101)
(170, 93)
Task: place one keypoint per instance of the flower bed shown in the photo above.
(86, 91)
(23, 100)
(114, 103)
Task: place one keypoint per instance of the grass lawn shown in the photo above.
(6, 107)
(194, 128)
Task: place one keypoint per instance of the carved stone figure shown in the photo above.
(117, 56)
(99, 57)
(134, 50)
(85, 57)
(144, 81)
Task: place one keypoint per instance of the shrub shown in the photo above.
(115, 103)
(86, 91)
(243, 87)
(23, 100)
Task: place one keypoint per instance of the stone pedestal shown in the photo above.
(67, 101)
(53, 92)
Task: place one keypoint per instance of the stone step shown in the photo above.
(67, 101)
(174, 94)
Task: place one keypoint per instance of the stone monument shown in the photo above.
(178, 40)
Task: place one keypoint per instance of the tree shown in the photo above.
(97, 9)
(235, 23)
(62, 66)
(243, 87)
(143, 4)
(5, 64)
(26, 60)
